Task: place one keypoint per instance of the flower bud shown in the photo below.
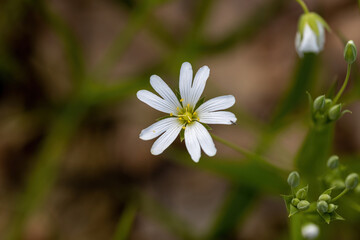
(332, 207)
(319, 103)
(295, 201)
(325, 197)
(350, 52)
(328, 103)
(301, 194)
(334, 112)
(352, 181)
(310, 231)
(333, 162)
(322, 206)
(293, 179)
(303, 205)
(310, 36)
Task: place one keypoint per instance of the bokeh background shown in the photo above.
(71, 163)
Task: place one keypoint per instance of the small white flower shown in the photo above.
(310, 37)
(182, 113)
(310, 231)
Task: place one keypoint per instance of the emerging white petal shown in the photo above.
(186, 75)
(164, 141)
(220, 117)
(321, 38)
(155, 101)
(164, 91)
(157, 128)
(192, 143)
(215, 104)
(199, 84)
(309, 41)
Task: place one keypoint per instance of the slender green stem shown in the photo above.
(340, 195)
(344, 84)
(303, 5)
(243, 151)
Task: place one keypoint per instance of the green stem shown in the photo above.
(344, 84)
(243, 151)
(303, 5)
(340, 195)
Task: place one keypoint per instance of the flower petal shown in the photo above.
(164, 141)
(309, 41)
(215, 104)
(164, 91)
(204, 139)
(220, 117)
(192, 143)
(186, 75)
(321, 40)
(157, 128)
(199, 84)
(297, 44)
(155, 101)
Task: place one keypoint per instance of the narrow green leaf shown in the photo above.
(237, 204)
(125, 223)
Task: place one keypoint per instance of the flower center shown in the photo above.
(187, 115)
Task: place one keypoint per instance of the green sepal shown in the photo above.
(328, 217)
(164, 117)
(306, 191)
(328, 191)
(325, 216)
(201, 101)
(182, 135)
(311, 19)
(206, 126)
(293, 210)
(336, 216)
(287, 199)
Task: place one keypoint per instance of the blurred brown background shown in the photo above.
(103, 159)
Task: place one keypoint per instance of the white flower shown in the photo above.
(310, 231)
(182, 113)
(310, 37)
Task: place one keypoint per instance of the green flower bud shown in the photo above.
(322, 206)
(333, 162)
(334, 112)
(293, 179)
(332, 207)
(295, 201)
(303, 205)
(325, 197)
(301, 194)
(319, 103)
(328, 103)
(352, 181)
(350, 52)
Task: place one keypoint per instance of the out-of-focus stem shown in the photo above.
(344, 85)
(303, 5)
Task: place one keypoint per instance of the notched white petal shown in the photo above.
(192, 143)
(164, 141)
(199, 84)
(205, 140)
(157, 128)
(154, 101)
(164, 91)
(220, 117)
(218, 103)
(186, 76)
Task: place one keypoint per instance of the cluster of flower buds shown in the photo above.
(325, 204)
(325, 110)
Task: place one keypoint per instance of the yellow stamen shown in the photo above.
(180, 118)
(189, 121)
(188, 105)
(183, 127)
(181, 100)
(177, 108)
(171, 114)
(198, 119)
(153, 131)
(194, 113)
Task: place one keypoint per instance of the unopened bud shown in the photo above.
(333, 162)
(295, 201)
(322, 206)
(301, 194)
(335, 112)
(350, 52)
(293, 179)
(319, 103)
(352, 181)
(303, 205)
(325, 197)
(332, 207)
